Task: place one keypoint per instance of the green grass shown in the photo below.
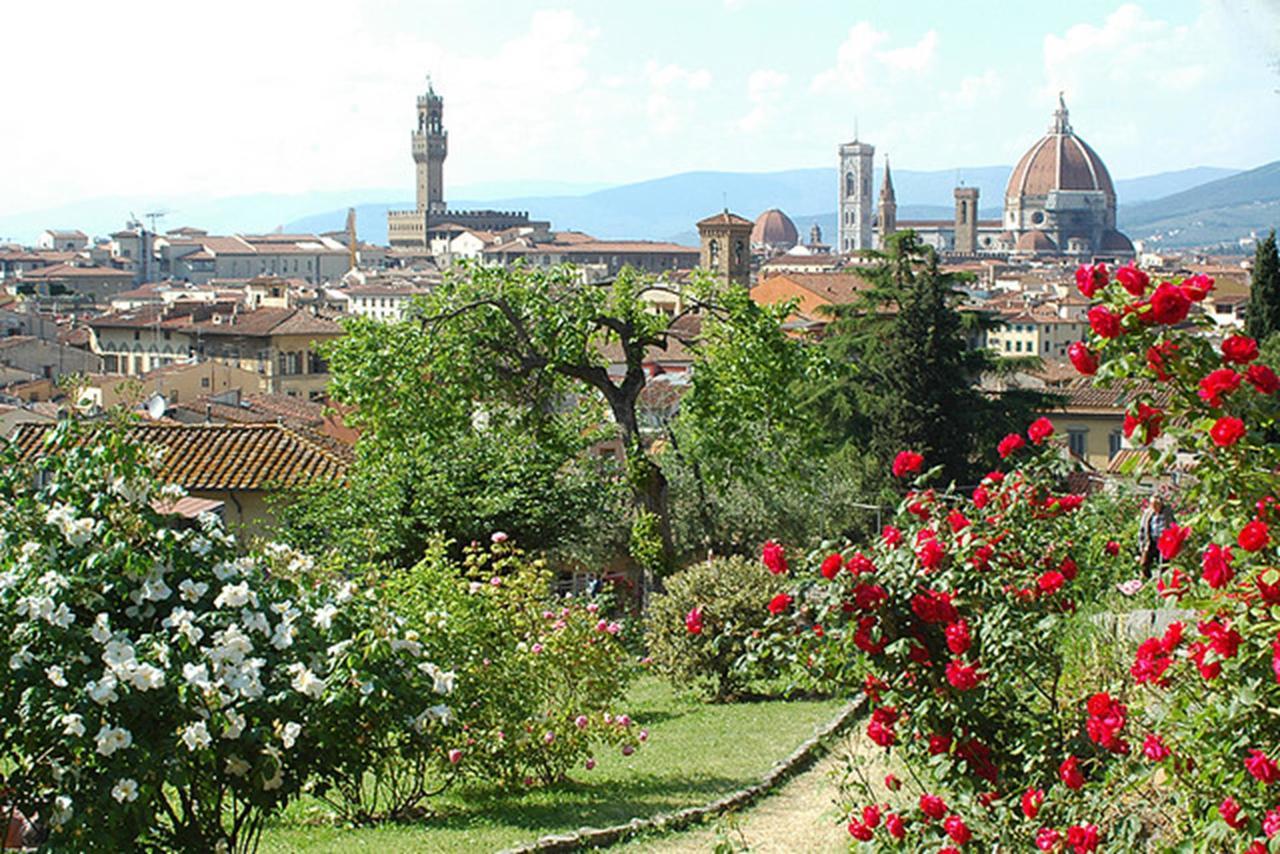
(696, 753)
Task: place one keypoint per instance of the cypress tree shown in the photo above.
(1263, 319)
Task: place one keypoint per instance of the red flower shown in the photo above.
(1226, 431)
(1216, 566)
(1106, 721)
(859, 564)
(1133, 280)
(860, 831)
(1253, 536)
(958, 638)
(774, 558)
(869, 597)
(1262, 768)
(1154, 748)
(893, 823)
(930, 554)
(1149, 418)
(1230, 812)
(871, 815)
(1169, 304)
(1262, 378)
(693, 621)
(1112, 548)
(1040, 429)
(1009, 444)
(881, 733)
(932, 606)
(1197, 287)
(831, 566)
(892, 783)
(939, 744)
(1222, 640)
(907, 462)
(1082, 838)
(1158, 358)
(1069, 773)
(779, 603)
(1240, 349)
(933, 806)
(961, 676)
(1083, 358)
(891, 536)
(1104, 322)
(1091, 278)
(1171, 540)
(862, 636)
(981, 498)
(957, 521)
(1032, 800)
(957, 830)
(1216, 384)
(1047, 839)
(1051, 582)
(1209, 670)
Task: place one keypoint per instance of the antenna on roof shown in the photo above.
(156, 407)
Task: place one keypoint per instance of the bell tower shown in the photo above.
(856, 164)
(430, 147)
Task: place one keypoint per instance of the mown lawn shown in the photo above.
(696, 753)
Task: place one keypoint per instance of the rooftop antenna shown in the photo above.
(855, 128)
(724, 198)
(155, 215)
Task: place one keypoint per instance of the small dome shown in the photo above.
(1059, 161)
(1114, 241)
(774, 228)
(1038, 243)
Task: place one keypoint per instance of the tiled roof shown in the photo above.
(835, 288)
(70, 271)
(725, 218)
(226, 456)
(1084, 396)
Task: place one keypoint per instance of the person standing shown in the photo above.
(1156, 518)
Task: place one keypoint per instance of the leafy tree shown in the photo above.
(1263, 319)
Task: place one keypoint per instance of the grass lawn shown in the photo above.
(696, 753)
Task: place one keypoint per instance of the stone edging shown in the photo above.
(801, 758)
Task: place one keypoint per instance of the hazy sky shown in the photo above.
(274, 96)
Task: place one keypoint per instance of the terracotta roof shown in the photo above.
(591, 247)
(211, 457)
(1036, 241)
(831, 287)
(1084, 396)
(774, 228)
(725, 218)
(70, 271)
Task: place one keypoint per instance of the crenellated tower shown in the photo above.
(430, 147)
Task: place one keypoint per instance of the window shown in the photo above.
(1113, 444)
(715, 253)
(1007, 346)
(1076, 441)
(204, 382)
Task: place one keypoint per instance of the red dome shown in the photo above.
(774, 228)
(1060, 161)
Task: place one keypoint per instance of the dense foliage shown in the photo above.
(1263, 316)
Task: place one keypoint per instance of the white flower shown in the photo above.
(20, 659)
(125, 790)
(282, 638)
(103, 692)
(191, 591)
(306, 682)
(197, 675)
(7, 580)
(233, 595)
(200, 546)
(442, 680)
(237, 767)
(344, 594)
(255, 621)
(155, 589)
(54, 580)
(411, 646)
(440, 713)
(62, 616)
(196, 736)
(182, 622)
(145, 677)
(119, 655)
(111, 739)
(134, 493)
(235, 726)
(61, 811)
(289, 735)
(323, 617)
(172, 491)
(101, 631)
(72, 724)
(56, 676)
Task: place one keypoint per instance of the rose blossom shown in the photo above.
(1261, 767)
(1104, 322)
(1132, 279)
(1069, 773)
(1169, 304)
(1217, 383)
(1226, 431)
(1239, 349)
(1262, 378)
(1009, 444)
(775, 559)
(1083, 358)
(907, 462)
(932, 806)
(1040, 429)
(1091, 278)
(1254, 536)
(1032, 800)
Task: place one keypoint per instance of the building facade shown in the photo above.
(856, 165)
(726, 246)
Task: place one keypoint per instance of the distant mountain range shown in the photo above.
(1189, 207)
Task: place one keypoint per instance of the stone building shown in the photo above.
(726, 246)
(774, 233)
(855, 229)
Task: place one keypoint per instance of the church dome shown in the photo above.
(774, 228)
(1036, 243)
(1060, 161)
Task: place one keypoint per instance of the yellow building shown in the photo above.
(1039, 331)
(1092, 420)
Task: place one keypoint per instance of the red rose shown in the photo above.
(693, 621)
(894, 824)
(779, 603)
(939, 744)
(1091, 278)
(869, 597)
(961, 676)
(1262, 378)
(1082, 358)
(957, 521)
(1051, 582)
(933, 606)
(1226, 431)
(891, 536)
(1154, 748)
(1104, 322)
(907, 462)
(1149, 418)
(1222, 640)
(1253, 536)
(930, 554)
(1047, 839)
(958, 637)
(1169, 304)
(933, 806)
(1133, 280)
(1069, 773)
(1216, 384)
(1159, 358)
(860, 563)
(774, 558)
(871, 815)
(1197, 287)
(957, 830)
(1112, 548)
(892, 783)
(1082, 838)
(1171, 540)
(1040, 429)
(1261, 767)
(1009, 444)
(1240, 349)
(1216, 566)
(831, 566)
(1032, 800)
(861, 832)
(1230, 812)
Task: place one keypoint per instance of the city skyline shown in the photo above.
(319, 97)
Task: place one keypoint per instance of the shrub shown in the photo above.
(713, 650)
(539, 678)
(161, 690)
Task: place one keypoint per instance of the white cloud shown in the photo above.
(764, 91)
(917, 57)
(861, 61)
(670, 103)
(987, 86)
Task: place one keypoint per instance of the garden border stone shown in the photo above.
(800, 759)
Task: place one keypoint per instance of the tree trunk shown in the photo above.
(649, 487)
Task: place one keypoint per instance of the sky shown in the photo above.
(275, 96)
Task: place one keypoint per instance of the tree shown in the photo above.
(1263, 319)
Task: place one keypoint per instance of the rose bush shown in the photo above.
(160, 689)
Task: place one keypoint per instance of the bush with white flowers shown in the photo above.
(159, 689)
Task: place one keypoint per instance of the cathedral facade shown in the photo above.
(1060, 202)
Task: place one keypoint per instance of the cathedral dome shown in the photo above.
(1060, 161)
(1036, 243)
(773, 228)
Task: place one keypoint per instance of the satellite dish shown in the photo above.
(156, 406)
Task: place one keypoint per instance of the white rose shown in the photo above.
(196, 736)
(72, 724)
(289, 735)
(125, 790)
